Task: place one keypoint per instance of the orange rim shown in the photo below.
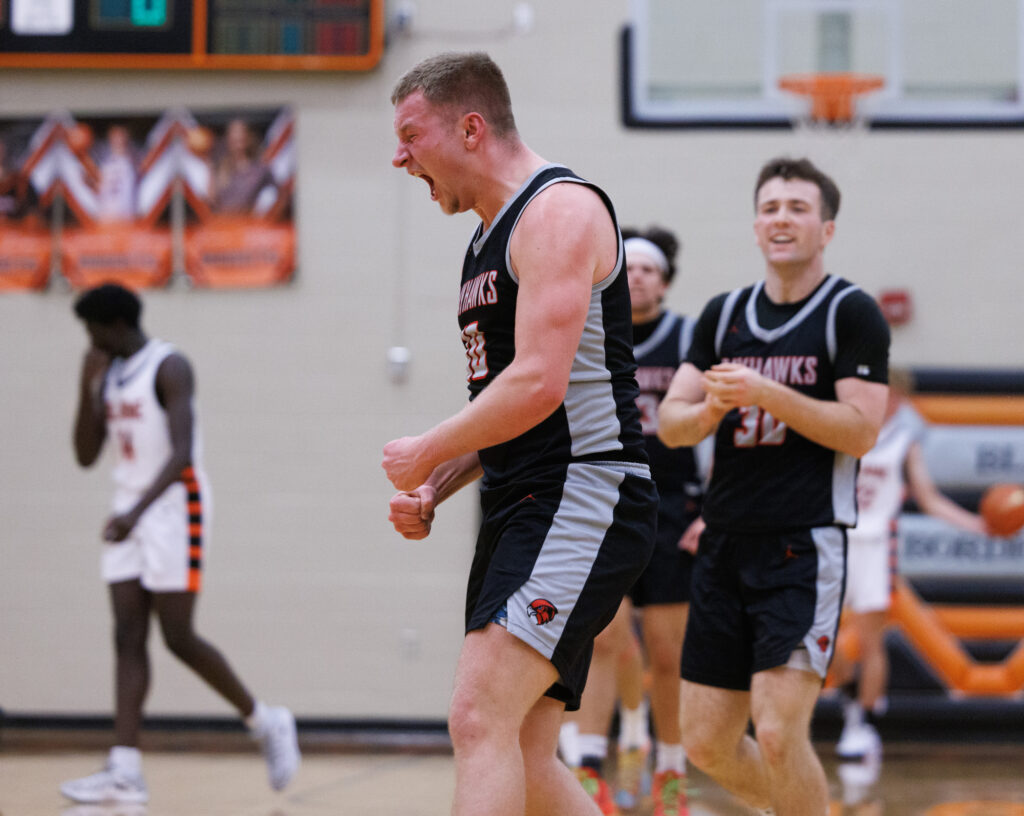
(832, 93)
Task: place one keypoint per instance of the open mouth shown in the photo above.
(430, 184)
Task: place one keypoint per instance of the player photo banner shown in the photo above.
(241, 232)
(142, 199)
(25, 241)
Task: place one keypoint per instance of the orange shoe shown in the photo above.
(669, 794)
(597, 789)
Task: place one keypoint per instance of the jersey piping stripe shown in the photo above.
(661, 331)
(724, 318)
(686, 336)
(770, 335)
(481, 236)
(590, 408)
(830, 322)
(601, 285)
(195, 529)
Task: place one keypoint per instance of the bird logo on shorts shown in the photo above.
(544, 611)
(823, 642)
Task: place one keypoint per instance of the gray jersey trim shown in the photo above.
(661, 331)
(590, 407)
(567, 556)
(724, 318)
(479, 242)
(619, 253)
(768, 336)
(830, 323)
(686, 336)
(820, 638)
(844, 489)
(665, 325)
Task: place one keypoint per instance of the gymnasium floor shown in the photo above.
(915, 779)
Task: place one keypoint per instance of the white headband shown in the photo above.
(649, 248)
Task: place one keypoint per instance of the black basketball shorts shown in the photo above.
(762, 601)
(667, 578)
(555, 556)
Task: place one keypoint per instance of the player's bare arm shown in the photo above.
(411, 512)
(90, 419)
(849, 424)
(174, 386)
(563, 244)
(931, 500)
(687, 414)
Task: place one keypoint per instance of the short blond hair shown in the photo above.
(461, 83)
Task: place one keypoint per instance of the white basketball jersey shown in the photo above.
(116, 196)
(881, 483)
(137, 423)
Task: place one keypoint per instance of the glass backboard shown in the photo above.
(951, 63)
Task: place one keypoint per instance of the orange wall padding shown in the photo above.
(930, 632)
(967, 409)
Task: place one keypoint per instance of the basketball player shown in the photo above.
(568, 504)
(662, 594)
(893, 467)
(790, 375)
(138, 392)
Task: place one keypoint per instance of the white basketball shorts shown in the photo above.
(166, 548)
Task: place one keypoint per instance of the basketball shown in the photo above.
(1002, 507)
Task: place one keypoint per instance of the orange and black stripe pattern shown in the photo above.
(195, 529)
(894, 554)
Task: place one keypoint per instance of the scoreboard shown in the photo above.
(324, 35)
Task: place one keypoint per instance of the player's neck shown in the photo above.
(511, 167)
(133, 343)
(791, 284)
(646, 316)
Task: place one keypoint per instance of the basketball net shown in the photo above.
(829, 128)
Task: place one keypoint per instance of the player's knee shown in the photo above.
(664, 657)
(469, 721)
(181, 642)
(774, 740)
(701, 747)
(130, 636)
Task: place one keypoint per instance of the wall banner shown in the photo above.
(147, 199)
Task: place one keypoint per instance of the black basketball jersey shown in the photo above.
(766, 476)
(598, 419)
(657, 358)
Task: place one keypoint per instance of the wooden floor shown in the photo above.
(913, 780)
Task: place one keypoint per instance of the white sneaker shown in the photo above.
(859, 740)
(107, 785)
(568, 743)
(279, 741)
(858, 778)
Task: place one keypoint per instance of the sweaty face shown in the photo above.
(646, 285)
(429, 149)
(788, 223)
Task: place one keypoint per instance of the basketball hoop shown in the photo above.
(829, 129)
(832, 94)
